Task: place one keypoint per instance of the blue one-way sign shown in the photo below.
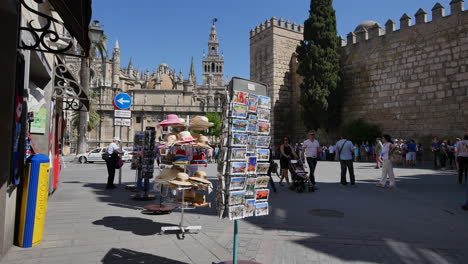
(123, 101)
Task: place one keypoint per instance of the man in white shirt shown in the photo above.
(311, 149)
(114, 150)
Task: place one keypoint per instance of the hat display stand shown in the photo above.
(176, 154)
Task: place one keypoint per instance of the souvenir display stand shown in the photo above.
(183, 155)
(143, 163)
(243, 166)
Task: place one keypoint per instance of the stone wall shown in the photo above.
(413, 82)
(272, 45)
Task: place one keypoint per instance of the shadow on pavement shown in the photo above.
(136, 225)
(127, 256)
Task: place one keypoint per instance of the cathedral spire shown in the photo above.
(192, 75)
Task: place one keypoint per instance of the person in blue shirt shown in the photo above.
(411, 153)
(345, 149)
(435, 147)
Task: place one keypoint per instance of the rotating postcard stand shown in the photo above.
(242, 169)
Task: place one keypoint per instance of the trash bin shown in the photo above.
(35, 191)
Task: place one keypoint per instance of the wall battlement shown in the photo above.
(365, 34)
(274, 22)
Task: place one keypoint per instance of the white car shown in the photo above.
(128, 154)
(94, 155)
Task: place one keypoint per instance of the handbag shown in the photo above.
(106, 156)
(119, 163)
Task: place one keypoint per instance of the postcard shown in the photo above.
(263, 154)
(252, 118)
(240, 97)
(252, 165)
(252, 141)
(264, 102)
(250, 187)
(252, 102)
(262, 182)
(238, 168)
(237, 183)
(240, 125)
(252, 127)
(264, 128)
(239, 140)
(236, 198)
(239, 111)
(261, 209)
(263, 115)
(263, 141)
(238, 154)
(262, 195)
(236, 212)
(262, 168)
(249, 207)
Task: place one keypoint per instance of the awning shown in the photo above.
(76, 15)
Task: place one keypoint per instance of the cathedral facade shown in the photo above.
(154, 94)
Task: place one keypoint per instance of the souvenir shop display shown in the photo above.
(242, 189)
(180, 181)
(243, 182)
(143, 164)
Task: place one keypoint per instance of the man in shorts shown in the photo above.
(411, 153)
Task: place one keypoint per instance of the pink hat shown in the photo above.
(170, 120)
(185, 136)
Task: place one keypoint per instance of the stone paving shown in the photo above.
(420, 222)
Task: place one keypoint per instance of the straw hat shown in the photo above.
(203, 141)
(170, 139)
(167, 175)
(200, 123)
(170, 120)
(185, 136)
(200, 176)
(182, 179)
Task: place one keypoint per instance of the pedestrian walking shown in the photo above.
(435, 148)
(286, 154)
(411, 153)
(356, 152)
(378, 150)
(387, 168)
(455, 145)
(344, 149)
(331, 152)
(363, 152)
(311, 149)
(419, 152)
(462, 154)
(113, 151)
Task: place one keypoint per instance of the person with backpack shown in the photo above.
(387, 168)
(113, 161)
(344, 152)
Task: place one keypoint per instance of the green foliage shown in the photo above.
(360, 130)
(215, 118)
(319, 65)
(94, 117)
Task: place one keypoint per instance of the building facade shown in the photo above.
(411, 81)
(154, 94)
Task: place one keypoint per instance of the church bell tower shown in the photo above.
(213, 63)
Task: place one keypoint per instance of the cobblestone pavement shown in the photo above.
(420, 222)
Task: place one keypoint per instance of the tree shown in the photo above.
(319, 65)
(360, 131)
(83, 124)
(215, 118)
(94, 117)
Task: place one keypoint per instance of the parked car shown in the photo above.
(128, 154)
(94, 155)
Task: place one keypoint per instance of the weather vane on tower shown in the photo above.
(215, 20)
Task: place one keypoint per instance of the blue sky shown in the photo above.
(154, 31)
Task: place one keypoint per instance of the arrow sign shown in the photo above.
(123, 101)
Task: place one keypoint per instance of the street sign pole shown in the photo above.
(121, 149)
(122, 117)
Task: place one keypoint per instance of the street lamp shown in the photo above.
(95, 32)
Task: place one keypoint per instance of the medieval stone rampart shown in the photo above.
(412, 81)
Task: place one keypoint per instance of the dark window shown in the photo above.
(138, 119)
(212, 67)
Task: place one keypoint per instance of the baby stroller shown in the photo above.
(299, 177)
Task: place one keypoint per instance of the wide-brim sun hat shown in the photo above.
(167, 175)
(182, 179)
(200, 123)
(170, 120)
(169, 140)
(185, 137)
(200, 176)
(203, 141)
